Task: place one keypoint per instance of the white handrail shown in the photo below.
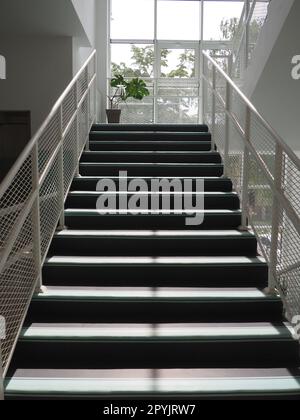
(25, 153)
(33, 194)
(247, 102)
(275, 181)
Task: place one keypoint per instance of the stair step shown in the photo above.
(151, 127)
(151, 157)
(212, 200)
(125, 304)
(149, 136)
(152, 169)
(98, 346)
(166, 145)
(89, 183)
(159, 243)
(158, 271)
(94, 219)
(231, 384)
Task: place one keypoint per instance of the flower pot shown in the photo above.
(113, 116)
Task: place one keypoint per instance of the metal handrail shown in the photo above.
(26, 151)
(283, 259)
(32, 197)
(250, 105)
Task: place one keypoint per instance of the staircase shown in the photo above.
(143, 306)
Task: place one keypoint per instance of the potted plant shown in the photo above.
(123, 90)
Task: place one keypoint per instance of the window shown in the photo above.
(132, 19)
(177, 63)
(132, 60)
(159, 41)
(221, 19)
(178, 19)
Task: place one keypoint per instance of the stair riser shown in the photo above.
(152, 157)
(155, 171)
(198, 137)
(172, 354)
(151, 127)
(153, 246)
(150, 146)
(136, 310)
(114, 222)
(156, 276)
(210, 185)
(210, 203)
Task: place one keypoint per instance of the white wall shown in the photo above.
(102, 45)
(86, 11)
(38, 71)
(275, 93)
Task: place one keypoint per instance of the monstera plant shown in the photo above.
(122, 90)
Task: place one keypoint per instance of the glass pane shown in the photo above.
(221, 19)
(178, 63)
(177, 110)
(132, 60)
(138, 112)
(132, 19)
(178, 20)
(173, 90)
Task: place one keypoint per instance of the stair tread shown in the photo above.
(158, 332)
(208, 193)
(135, 213)
(207, 234)
(156, 382)
(150, 152)
(97, 178)
(154, 294)
(143, 164)
(158, 261)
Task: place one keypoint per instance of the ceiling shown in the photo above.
(40, 17)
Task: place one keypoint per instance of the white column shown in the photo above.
(102, 46)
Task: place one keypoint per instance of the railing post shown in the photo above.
(77, 129)
(227, 130)
(88, 114)
(1, 374)
(61, 225)
(276, 216)
(213, 107)
(36, 219)
(246, 173)
(247, 35)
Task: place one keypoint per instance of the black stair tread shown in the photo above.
(94, 219)
(149, 153)
(127, 145)
(207, 234)
(152, 169)
(156, 261)
(159, 135)
(89, 183)
(149, 294)
(150, 127)
(258, 331)
(150, 165)
(151, 156)
(85, 193)
(137, 213)
(205, 383)
(70, 304)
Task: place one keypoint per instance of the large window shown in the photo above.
(160, 41)
(132, 19)
(178, 19)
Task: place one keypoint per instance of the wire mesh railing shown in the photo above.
(266, 174)
(32, 199)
